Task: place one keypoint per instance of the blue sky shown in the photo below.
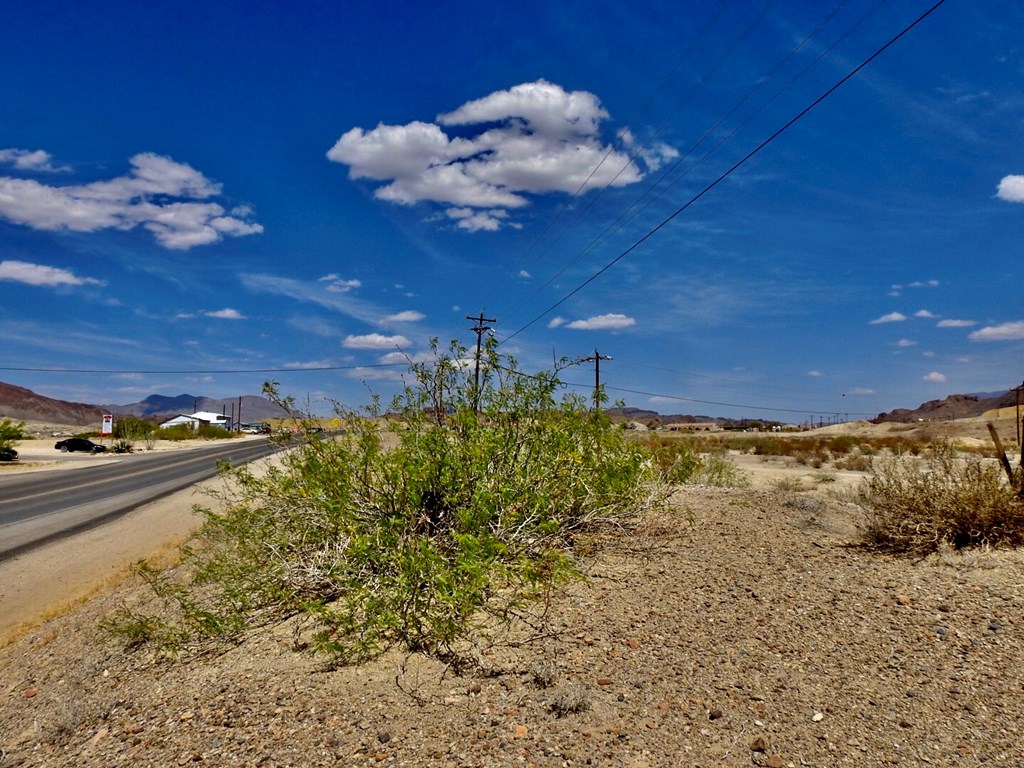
(196, 197)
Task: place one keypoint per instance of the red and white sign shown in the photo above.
(108, 424)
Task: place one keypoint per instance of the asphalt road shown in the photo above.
(38, 507)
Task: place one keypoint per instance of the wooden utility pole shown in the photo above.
(596, 359)
(479, 329)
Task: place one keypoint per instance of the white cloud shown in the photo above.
(30, 160)
(533, 138)
(524, 274)
(408, 316)
(365, 373)
(336, 285)
(815, 374)
(906, 343)
(955, 323)
(556, 322)
(935, 377)
(477, 221)
(1011, 189)
(311, 365)
(1005, 332)
(226, 314)
(925, 314)
(374, 341)
(925, 284)
(39, 274)
(602, 323)
(861, 391)
(396, 358)
(158, 194)
(892, 317)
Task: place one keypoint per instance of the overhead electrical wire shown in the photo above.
(733, 168)
(626, 216)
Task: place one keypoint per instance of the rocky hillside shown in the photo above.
(22, 404)
(952, 407)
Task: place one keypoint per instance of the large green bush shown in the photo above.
(10, 431)
(409, 528)
(945, 497)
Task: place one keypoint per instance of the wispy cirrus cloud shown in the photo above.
(533, 138)
(171, 200)
(42, 275)
(315, 293)
(952, 323)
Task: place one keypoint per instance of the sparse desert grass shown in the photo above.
(945, 498)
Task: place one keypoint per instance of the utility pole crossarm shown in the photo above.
(479, 329)
(596, 359)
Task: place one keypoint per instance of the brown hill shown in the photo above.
(22, 404)
(952, 407)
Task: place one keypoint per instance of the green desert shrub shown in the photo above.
(945, 497)
(11, 431)
(410, 528)
(679, 462)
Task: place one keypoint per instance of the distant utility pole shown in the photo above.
(596, 359)
(1017, 390)
(479, 329)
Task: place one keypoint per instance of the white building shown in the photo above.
(197, 418)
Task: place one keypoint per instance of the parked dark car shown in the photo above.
(79, 444)
(8, 454)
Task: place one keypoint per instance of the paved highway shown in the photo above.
(36, 507)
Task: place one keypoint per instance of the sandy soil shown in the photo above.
(735, 628)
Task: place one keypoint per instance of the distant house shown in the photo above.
(199, 418)
(695, 426)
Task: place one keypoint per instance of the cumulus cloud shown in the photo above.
(408, 316)
(42, 275)
(169, 199)
(892, 317)
(925, 314)
(30, 160)
(925, 284)
(225, 314)
(1011, 189)
(374, 341)
(602, 323)
(935, 377)
(1005, 332)
(533, 138)
(955, 323)
(906, 343)
(556, 322)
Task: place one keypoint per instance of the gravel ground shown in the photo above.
(739, 627)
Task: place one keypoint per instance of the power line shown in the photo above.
(790, 123)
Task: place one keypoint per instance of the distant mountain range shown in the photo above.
(22, 404)
(952, 407)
